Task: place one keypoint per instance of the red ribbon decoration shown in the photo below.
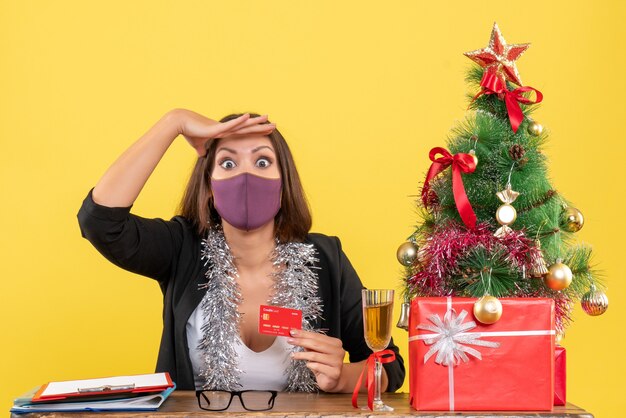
(493, 85)
(492, 82)
(513, 99)
(384, 356)
(460, 163)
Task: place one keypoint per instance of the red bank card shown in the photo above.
(274, 320)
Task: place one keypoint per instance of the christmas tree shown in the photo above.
(492, 223)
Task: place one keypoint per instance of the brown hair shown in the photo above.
(293, 220)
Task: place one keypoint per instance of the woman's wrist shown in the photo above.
(175, 119)
(348, 378)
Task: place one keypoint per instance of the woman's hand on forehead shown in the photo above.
(198, 129)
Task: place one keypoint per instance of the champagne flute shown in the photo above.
(377, 320)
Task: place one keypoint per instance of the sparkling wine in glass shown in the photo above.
(377, 323)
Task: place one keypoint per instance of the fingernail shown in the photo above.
(293, 332)
(291, 340)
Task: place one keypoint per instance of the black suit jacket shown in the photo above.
(169, 252)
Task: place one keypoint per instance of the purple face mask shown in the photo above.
(247, 201)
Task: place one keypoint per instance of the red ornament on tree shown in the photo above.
(461, 163)
(498, 60)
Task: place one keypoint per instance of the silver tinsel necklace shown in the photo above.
(295, 286)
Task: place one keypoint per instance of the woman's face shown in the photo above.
(240, 154)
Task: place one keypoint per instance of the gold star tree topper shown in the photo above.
(498, 59)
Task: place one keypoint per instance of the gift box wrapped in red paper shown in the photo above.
(458, 364)
(559, 375)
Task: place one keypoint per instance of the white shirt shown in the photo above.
(264, 370)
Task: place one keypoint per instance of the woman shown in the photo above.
(241, 241)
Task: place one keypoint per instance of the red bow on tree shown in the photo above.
(384, 356)
(460, 163)
(492, 84)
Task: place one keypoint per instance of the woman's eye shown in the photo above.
(263, 163)
(228, 164)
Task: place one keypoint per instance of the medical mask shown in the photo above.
(246, 201)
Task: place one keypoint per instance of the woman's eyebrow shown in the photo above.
(252, 152)
(261, 147)
(226, 149)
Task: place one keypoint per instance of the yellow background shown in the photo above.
(361, 91)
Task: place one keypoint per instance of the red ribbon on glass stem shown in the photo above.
(460, 163)
(384, 356)
(491, 84)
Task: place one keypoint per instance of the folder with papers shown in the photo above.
(103, 387)
(147, 402)
(145, 392)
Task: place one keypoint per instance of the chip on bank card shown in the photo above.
(274, 320)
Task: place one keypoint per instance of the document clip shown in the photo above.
(106, 388)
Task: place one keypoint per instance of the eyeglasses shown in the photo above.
(251, 400)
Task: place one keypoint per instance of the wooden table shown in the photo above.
(185, 404)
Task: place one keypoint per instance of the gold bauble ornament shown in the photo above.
(559, 276)
(488, 310)
(594, 302)
(535, 129)
(572, 220)
(407, 253)
(474, 156)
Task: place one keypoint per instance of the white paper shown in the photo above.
(72, 386)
